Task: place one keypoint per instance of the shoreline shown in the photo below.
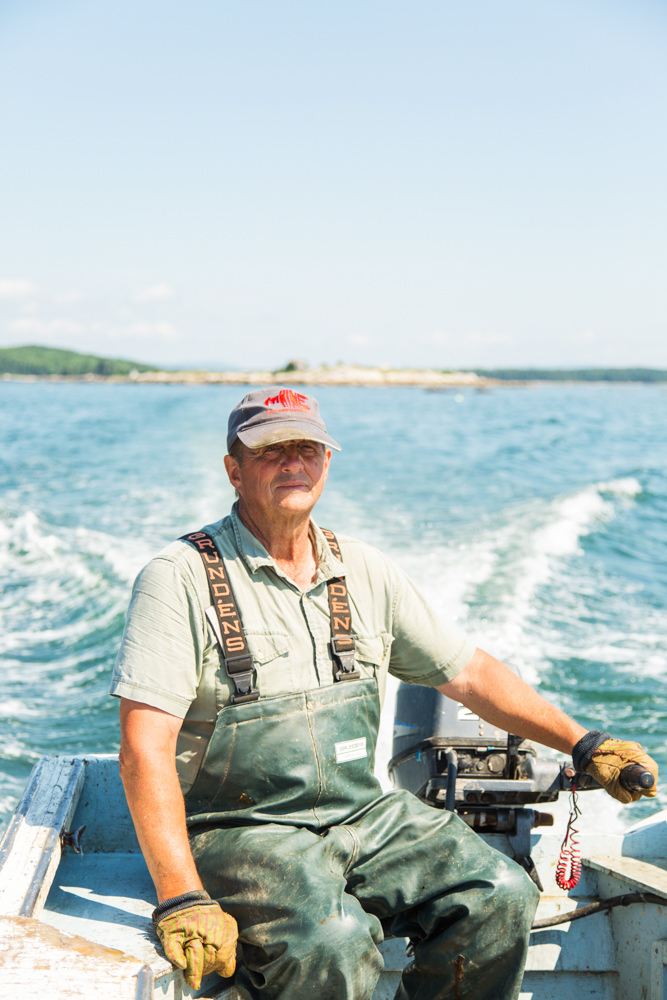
(347, 375)
(337, 375)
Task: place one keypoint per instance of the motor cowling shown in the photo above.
(439, 744)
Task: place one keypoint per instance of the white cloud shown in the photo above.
(154, 293)
(16, 288)
(358, 340)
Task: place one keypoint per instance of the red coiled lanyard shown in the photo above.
(568, 869)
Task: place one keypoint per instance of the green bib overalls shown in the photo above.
(292, 835)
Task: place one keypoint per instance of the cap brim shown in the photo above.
(260, 436)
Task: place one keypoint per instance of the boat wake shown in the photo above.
(63, 596)
(535, 587)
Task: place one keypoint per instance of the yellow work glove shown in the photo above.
(197, 936)
(605, 758)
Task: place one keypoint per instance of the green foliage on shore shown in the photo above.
(574, 374)
(54, 361)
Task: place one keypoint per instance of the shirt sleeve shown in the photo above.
(159, 662)
(425, 649)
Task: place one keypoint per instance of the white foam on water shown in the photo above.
(22, 540)
(626, 486)
(520, 584)
(16, 708)
(490, 585)
(62, 593)
(51, 556)
(638, 654)
(535, 547)
(124, 556)
(8, 801)
(538, 551)
(16, 750)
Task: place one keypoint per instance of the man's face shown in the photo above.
(285, 478)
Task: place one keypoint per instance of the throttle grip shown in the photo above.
(635, 778)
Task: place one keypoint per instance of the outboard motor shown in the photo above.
(453, 760)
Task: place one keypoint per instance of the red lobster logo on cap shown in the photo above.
(289, 400)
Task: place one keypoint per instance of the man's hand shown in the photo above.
(197, 936)
(610, 758)
(605, 759)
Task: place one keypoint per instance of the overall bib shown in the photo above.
(291, 834)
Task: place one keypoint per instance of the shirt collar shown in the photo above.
(255, 555)
(328, 565)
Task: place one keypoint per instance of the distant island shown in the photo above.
(52, 363)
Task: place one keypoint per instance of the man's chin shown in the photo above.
(295, 500)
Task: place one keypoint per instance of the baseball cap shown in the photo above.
(274, 414)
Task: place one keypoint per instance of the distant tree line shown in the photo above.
(574, 374)
(46, 361)
(54, 361)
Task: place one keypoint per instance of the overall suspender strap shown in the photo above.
(239, 664)
(342, 641)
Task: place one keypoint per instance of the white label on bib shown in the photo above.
(351, 750)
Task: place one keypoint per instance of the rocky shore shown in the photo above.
(335, 375)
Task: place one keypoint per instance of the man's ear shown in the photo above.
(233, 472)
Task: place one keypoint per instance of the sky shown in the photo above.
(410, 183)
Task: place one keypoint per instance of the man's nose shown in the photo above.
(292, 457)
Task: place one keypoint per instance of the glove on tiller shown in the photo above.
(606, 758)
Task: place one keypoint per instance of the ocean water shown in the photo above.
(534, 517)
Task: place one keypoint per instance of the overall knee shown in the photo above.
(516, 896)
(338, 955)
(355, 934)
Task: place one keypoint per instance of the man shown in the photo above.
(250, 675)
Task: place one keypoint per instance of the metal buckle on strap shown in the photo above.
(344, 658)
(241, 670)
(239, 699)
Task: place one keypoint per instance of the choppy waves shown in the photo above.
(542, 589)
(63, 593)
